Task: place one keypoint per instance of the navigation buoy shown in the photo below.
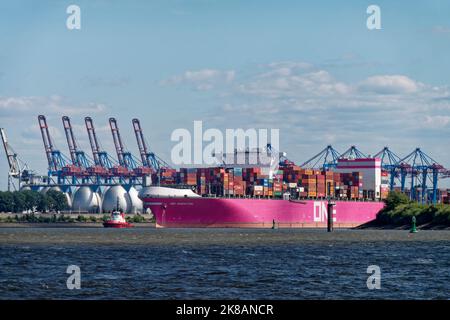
(413, 225)
(274, 226)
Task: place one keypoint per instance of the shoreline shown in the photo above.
(67, 220)
(67, 225)
(148, 222)
(372, 225)
(376, 225)
(195, 238)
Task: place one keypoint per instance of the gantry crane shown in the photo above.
(420, 167)
(56, 160)
(325, 159)
(103, 163)
(149, 159)
(18, 169)
(352, 153)
(13, 162)
(389, 161)
(80, 162)
(127, 162)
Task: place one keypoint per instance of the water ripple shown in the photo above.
(281, 270)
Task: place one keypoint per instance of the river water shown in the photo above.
(148, 263)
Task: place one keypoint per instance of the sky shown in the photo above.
(311, 69)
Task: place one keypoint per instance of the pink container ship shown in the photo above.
(179, 208)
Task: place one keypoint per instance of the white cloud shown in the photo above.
(313, 108)
(205, 79)
(437, 121)
(293, 82)
(12, 106)
(390, 84)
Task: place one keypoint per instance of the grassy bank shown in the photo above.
(66, 218)
(399, 211)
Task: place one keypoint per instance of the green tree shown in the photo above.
(57, 200)
(42, 203)
(6, 201)
(19, 201)
(394, 199)
(31, 199)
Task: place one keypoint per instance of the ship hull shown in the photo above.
(257, 213)
(119, 225)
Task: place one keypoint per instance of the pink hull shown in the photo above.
(257, 213)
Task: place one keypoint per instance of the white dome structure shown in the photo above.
(165, 192)
(116, 195)
(44, 190)
(136, 205)
(69, 199)
(85, 200)
(54, 188)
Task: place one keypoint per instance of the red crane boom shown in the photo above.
(140, 141)
(93, 139)
(48, 144)
(117, 141)
(70, 140)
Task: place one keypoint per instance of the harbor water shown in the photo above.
(148, 263)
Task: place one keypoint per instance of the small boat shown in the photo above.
(117, 221)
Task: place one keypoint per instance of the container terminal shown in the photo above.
(96, 182)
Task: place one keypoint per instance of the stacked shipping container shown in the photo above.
(240, 182)
(445, 196)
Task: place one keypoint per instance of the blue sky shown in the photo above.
(309, 68)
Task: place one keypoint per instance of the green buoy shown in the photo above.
(413, 225)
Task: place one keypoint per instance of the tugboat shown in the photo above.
(117, 219)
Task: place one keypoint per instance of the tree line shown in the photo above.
(399, 210)
(31, 201)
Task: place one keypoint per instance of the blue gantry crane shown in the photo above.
(326, 159)
(389, 163)
(128, 164)
(56, 160)
(149, 158)
(421, 168)
(102, 159)
(352, 153)
(78, 156)
(125, 157)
